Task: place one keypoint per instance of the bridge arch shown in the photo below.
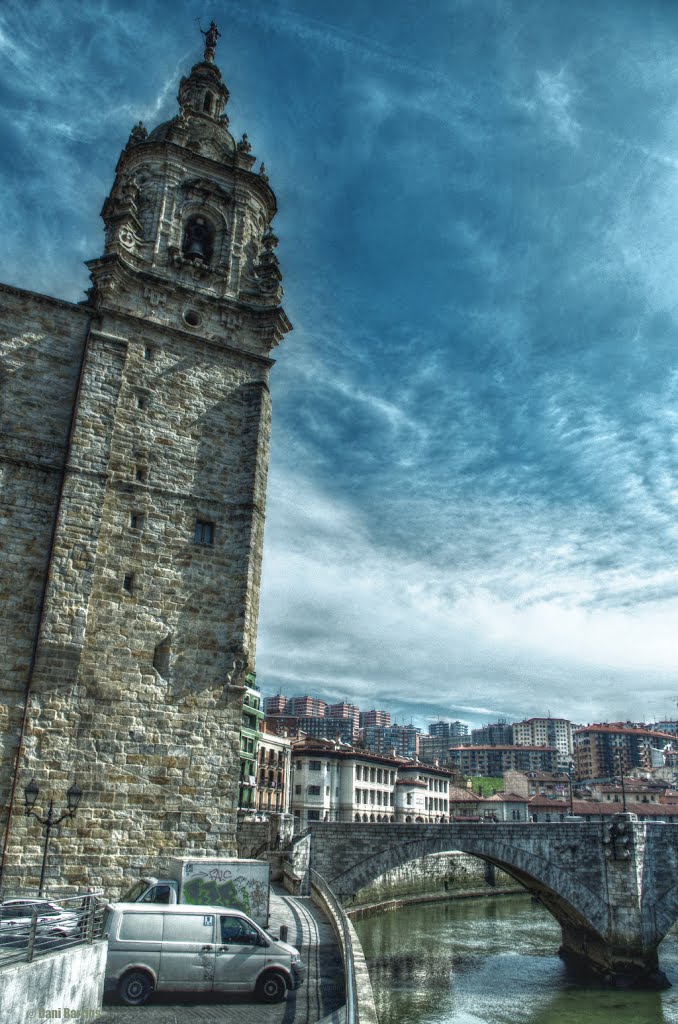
(560, 890)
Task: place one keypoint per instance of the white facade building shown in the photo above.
(335, 783)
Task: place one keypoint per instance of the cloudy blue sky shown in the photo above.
(473, 495)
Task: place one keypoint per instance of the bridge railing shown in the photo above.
(360, 1008)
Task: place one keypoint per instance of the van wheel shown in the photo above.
(272, 987)
(135, 988)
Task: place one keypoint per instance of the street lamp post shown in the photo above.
(49, 821)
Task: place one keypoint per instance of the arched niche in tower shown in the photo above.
(198, 239)
(204, 232)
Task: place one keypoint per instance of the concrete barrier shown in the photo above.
(360, 1007)
(67, 984)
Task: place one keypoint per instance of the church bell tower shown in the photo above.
(147, 636)
(188, 225)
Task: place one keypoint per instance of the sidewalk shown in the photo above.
(321, 994)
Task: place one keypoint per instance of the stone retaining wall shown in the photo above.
(440, 875)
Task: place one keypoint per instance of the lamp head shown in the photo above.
(31, 795)
(73, 796)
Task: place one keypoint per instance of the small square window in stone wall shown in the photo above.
(128, 582)
(136, 520)
(204, 532)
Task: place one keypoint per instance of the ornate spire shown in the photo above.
(211, 36)
(203, 91)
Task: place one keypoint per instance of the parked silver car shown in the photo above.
(16, 916)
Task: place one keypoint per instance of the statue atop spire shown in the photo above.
(211, 35)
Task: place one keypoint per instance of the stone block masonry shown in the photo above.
(41, 346)
(141, 623)
(442, 876)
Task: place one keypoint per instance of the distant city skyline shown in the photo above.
(473, 493)
(424, 723)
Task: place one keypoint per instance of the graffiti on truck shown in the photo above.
(218, 887)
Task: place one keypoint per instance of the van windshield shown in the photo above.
(133, 894)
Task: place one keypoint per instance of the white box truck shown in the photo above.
(231, 882)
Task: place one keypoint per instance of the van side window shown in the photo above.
(144, 927)
(188, 928)
(238, 932)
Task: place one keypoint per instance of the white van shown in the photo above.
(194, 949)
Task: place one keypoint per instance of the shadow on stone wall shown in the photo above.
(438, 877)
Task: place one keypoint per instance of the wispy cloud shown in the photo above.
(335, 601)
(555, 98)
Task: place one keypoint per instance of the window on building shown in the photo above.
(148, 353)
(297, 790)
(136, 520)
(204, 532)
(314, 790)
(128, 582)
(315, 766)
(313, 815)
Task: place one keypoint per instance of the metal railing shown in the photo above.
(346, 940)
(30, 927)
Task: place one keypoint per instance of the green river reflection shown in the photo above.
(493, 961)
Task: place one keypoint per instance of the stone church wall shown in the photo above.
(41, 344)
(148, 741)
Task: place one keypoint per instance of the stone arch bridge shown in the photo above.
(612, 886)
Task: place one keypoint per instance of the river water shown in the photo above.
(493, 961)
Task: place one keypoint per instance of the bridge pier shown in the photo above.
(588, 955)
